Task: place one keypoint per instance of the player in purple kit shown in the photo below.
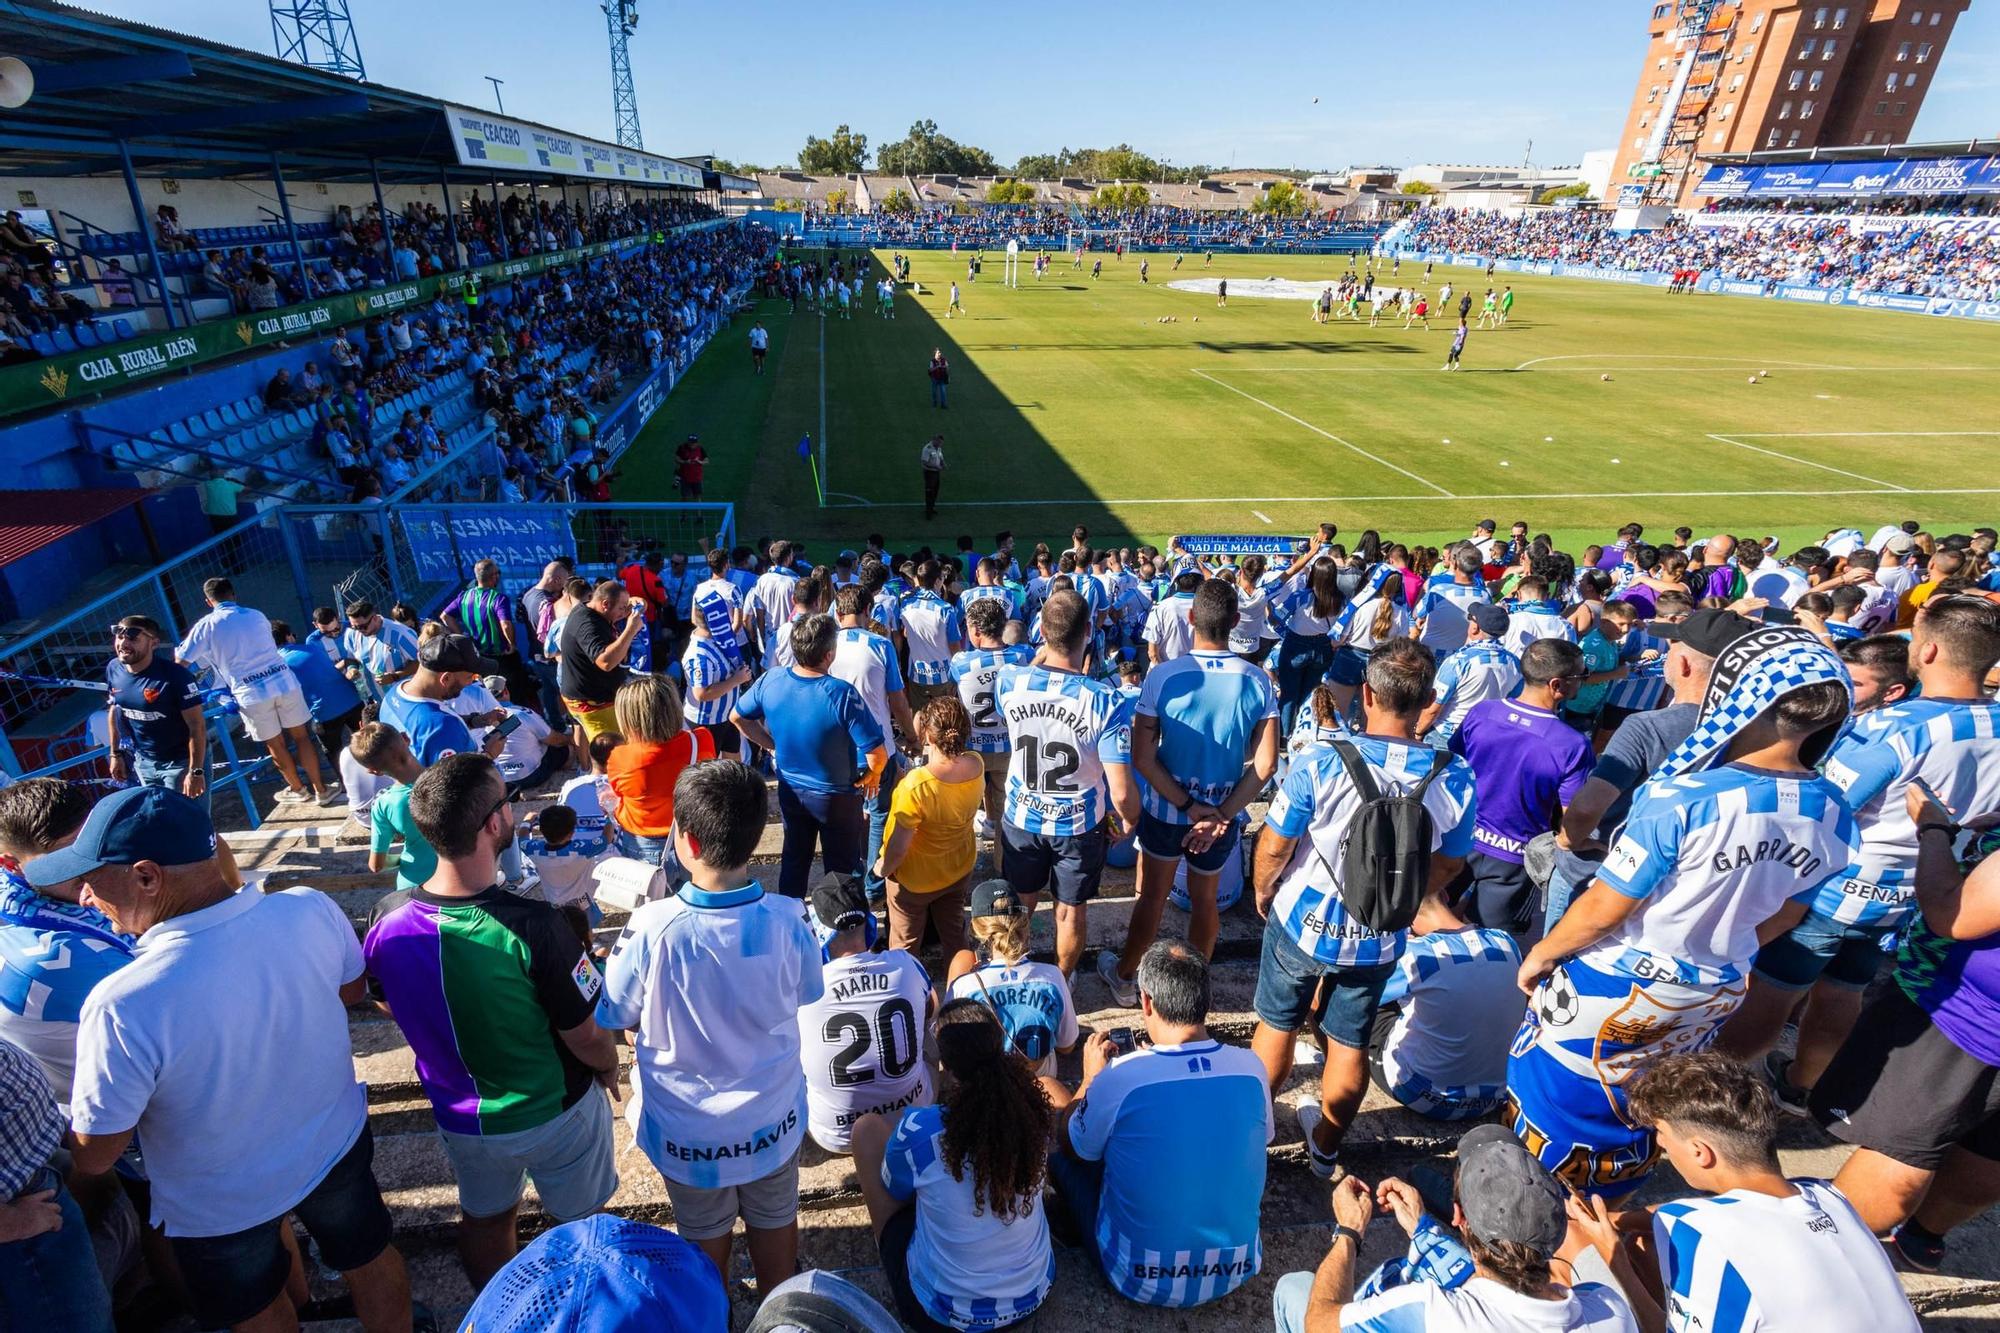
(1528, 764)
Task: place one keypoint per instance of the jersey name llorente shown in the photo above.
(1062, 729)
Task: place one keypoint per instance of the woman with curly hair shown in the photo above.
(954, 1190)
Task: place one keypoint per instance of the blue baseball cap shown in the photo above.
(602, 1274)
(137, 824)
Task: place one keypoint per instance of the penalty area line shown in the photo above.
(1793, 458)
(1326, 434)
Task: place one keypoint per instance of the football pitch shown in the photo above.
(1071, 401)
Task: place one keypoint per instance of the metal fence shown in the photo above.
(291, 558)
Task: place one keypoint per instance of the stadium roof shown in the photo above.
(1781, 156)
(186, 107)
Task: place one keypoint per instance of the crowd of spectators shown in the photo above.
(1948, 257)
(1158, 226)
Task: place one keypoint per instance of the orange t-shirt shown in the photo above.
(642, 776)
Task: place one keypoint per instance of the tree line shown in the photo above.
(926, 151)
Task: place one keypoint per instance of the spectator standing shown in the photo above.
(658, 746)
(954, 1190)
(929, 849)
(828, 750)
(235, 643)
(975, 671)
(486, 613)
(496, 996)
(383, 751)
(1483, 669)
(712, 980)
(331, 699)
(1443, 613)
(154, 701)
(867, 661)
(940, 377)
(1183, 1237)
(1300, 887)
(1527, 765)
(593, 655)
(931, 457)
(386, 649)
(49, 1278)
(863, 1039)
(235, 989)
(447, 665)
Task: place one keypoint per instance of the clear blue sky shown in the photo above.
(1425, 80)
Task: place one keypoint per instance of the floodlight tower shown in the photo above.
(317, 34)
(623, 17)
(1702, 30)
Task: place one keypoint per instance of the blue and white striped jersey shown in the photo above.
(1210, 706)
(887, 609)
(988, 592)
(1475, 673)
(1315, 805)
(1646, 685)
(974, 671)
(704, 664)
(1715, 854)
(1954, 746)
(1446, 1055)
(770, 601)
(1445, 610)
(1529, 622)
(867, 661)
(1063, 729)
(1481, 1305)
(930, 626)
(1742, 1261)
(1181, 1131)
(969, 1267)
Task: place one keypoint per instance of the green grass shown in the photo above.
(1071, 403)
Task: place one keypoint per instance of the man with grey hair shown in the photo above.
(1160, 1166)
(815, 725)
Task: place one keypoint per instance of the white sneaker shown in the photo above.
(331, 796)
(1125, 994)
(1324, 1165)
(288, 796)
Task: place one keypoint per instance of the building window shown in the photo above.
(1644, 121)
(1902, 51)
(1819, 18)
(1793, 142)
(1890, 83)
(1924, 53)
(1909, 80)
(1717, 140)
(1826, 52)
(1881, 108)
(1735, 82)
(1785, 111)
(1839, 18)
(1661, 11)
(1807, 47)
(1868, 136)
(1756, 24)
(1813, 83)
(1902, 108)
(1728, 110)
(1663, 62)
(1772, 140)
(1935, 17)
(1916, 17)
(1798, 78)
(1806, 109)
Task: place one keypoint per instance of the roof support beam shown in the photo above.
(116, 72)
(248, 113)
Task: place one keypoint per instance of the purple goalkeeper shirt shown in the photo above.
(1528, 764)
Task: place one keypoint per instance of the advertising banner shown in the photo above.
(482, 139)
(1889, 301)
(1722, 182)
(1800, 178)
(444, 542)
(1944, 175)
(1859, 179)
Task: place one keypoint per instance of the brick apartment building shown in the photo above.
(1779, 74)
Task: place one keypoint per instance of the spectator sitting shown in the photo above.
(586, 793)
(385, 752)
(243, 990)
(496, 998)
(1439, 1044)
(954, 1190)
(887, 993)
(642, 772)
(532, 752)
(713, 979)
(261, 291)
(636, 1276)
(1186, 1098)
(1031, 999)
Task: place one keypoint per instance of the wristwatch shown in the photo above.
(1350, 1233)
(1186, 802)
(1949, 830)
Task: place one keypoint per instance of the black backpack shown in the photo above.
(1385, 855)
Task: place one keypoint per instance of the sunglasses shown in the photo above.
(122, 632)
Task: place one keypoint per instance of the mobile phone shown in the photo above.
(1123, 1039)
(506, 726)
(1930, 794)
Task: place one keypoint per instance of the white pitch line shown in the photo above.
(1596, 358)
(1854, 434)
(1792, 458)
(1375, 458)
(1074, 501)
(1261, 516)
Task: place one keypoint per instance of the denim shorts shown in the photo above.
(1288, 981)
(1822, 949)
(1162, 841)
(570, 1159)
(230, 1278)
(1350, 666)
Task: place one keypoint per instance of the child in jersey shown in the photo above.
(1032, 1000)
(565, 869)
(585, 794)
(861, 1041)
(1760, 1250)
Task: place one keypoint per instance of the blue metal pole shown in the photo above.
(146, 230)
(381, 206)
(285, 205)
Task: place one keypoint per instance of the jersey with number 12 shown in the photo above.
(1063, 729)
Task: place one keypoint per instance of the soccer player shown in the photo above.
(1734, 831)
(1457, 346)
(1759, 1250)
(760, 343)
(954, 307)
(1096, 269)
(1222, 293)
(1489, 311)
(862, 1041)
(1205, 739)
(1444, 296)
(975, 671)
(1945, 741)
(1071, 743)
(1144, 267)
(1316, 956)
(1506, 304)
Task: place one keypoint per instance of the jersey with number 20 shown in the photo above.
(1063, 729)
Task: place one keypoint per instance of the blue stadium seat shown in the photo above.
(42, 343)
(124, 327)
(214, 422)
(232, 414)
(84, 334)
(64, 341)
(180, 434)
